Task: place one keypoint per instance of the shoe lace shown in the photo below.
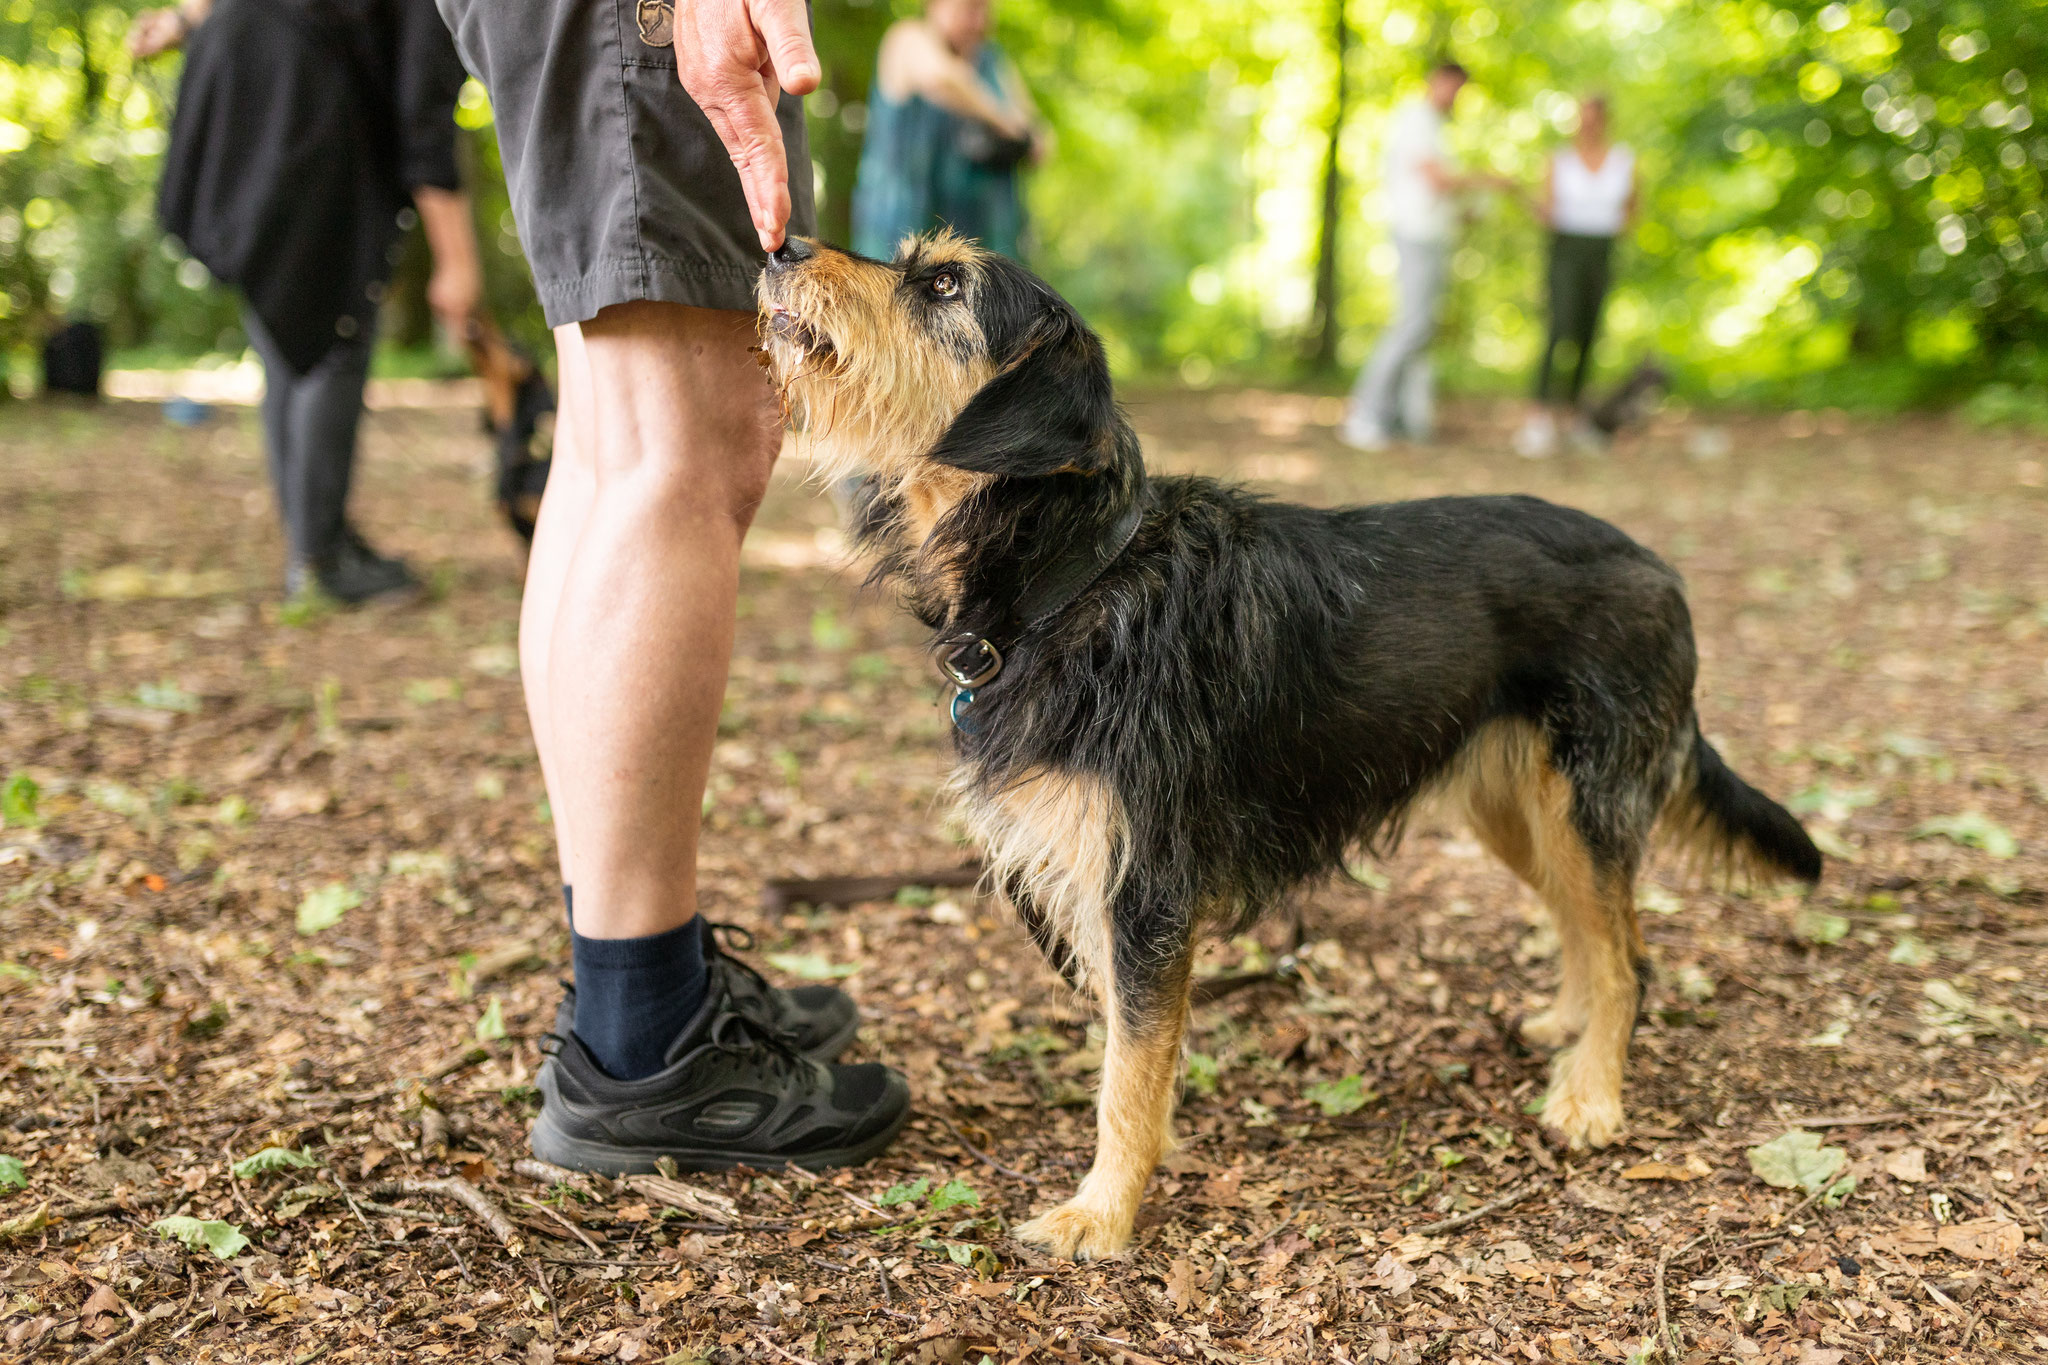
(743, 1035)
(737, 938)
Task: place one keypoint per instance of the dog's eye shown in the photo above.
(945, 284)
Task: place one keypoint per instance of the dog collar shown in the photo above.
(971, 661)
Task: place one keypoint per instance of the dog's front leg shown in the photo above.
(1134, 1116)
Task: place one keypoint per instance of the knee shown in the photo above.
(718, 477)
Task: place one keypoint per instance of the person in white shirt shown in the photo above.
(1588, 200)
(1420, 187)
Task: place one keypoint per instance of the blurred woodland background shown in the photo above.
(1843, 202)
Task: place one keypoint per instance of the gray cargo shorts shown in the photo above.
(620, 188)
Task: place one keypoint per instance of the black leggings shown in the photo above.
(309, 424)
(1578, 290)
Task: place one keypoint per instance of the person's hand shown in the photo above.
(155, 31)
(455, 291)
(735, 57)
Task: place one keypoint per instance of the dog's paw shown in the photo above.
(1075, 1232)
(1547, 1030)
(1585, 1115)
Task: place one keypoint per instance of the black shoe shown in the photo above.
(819, 1020)
(351, 573)
(733, 1092)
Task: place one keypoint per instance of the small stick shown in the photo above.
(119, 1344)
(346, 1196)
(984, 1157)
(540, 1273)
(435, 1216)
(797, 1359)
(576, 1231)
(1508, 1200)
(462, 1192)
(134, 1203)
(547, 1173)
(1667, 1336)
(888, 1298)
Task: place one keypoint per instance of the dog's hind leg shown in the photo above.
(1146, 1007)
(1593, 898)
(1526, 811)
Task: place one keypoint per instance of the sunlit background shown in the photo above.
(1843, 205)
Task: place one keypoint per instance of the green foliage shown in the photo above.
(224, 1240)
(272, 1159)
(1842, 202)
(19, 795)
(13, 1175)
(324, 906)
(1203, 1073)
(1973, 829)
(954, 1194)
(904, 1194)
(490, 1026)
(1797, 1161)
(810, 966)
(1346, 1096)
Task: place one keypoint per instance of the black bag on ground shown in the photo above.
(72, 358)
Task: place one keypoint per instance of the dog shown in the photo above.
(1177, 701)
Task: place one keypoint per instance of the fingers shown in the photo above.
(745, 123)
(785, 29)
(733, 57)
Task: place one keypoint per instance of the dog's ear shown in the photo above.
(1049, 410)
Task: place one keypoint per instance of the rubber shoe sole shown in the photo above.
(603, 1158)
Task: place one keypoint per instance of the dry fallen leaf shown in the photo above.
(1909, 1239)
(1693, 1168)
(1983, 1239)
(1180, 1284)
(1586, 1194)
(103, 1313)
(1393, 1275)
(1909, 1165)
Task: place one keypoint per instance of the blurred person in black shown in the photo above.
(304, 131)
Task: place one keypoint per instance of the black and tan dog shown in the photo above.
(1178, 700)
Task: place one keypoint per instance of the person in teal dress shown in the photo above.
(949, 127)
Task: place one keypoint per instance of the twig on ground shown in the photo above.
(134, 1203)
(983, 1157)
(1667, 1335)
(547, 1173)
(1491, 1207)
(462, 1192)
(347, 1196)
(762, 1337)
(676, 1194)
(630, 1265)
(434, 1216)
(115, 1345)
(574, 1231)
(882, 1272)
(540, 1273)
(779, 893)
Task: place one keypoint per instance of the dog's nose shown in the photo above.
(793, 251)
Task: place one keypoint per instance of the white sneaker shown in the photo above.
(1537, 440)
(1587, 439)
(1362, 433)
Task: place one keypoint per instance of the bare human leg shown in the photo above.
(628, 626)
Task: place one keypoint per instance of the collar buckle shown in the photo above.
(968, 661)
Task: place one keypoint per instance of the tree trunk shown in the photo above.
(1324, 357)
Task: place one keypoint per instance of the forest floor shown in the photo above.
(280, 880)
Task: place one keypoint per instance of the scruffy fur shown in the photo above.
(1251, 689)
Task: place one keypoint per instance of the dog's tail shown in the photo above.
(1731, 829)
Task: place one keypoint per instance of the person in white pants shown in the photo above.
(1420, 187)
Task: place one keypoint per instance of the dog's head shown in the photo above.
(935, 374)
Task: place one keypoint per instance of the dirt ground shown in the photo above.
(286, 881)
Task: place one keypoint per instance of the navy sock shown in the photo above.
(633, 996)
(569, 903)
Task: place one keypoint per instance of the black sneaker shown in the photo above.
(734, 1092)
(352, 573)
(819, 1020)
